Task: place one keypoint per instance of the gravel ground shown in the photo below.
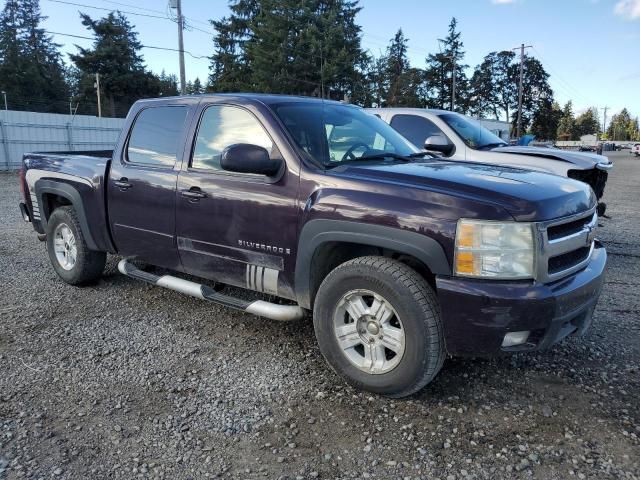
(124, 380)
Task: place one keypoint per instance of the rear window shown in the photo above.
(155, 136)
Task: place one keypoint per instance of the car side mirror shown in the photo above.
(438, 143)
(247, 158)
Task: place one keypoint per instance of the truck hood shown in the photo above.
(526, 195)
(582, 160)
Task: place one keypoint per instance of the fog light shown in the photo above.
(515, 338)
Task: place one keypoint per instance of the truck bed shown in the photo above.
(49, 179)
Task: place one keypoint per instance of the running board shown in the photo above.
(283, 313)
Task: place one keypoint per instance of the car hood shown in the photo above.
(526, 195)
(582, 160)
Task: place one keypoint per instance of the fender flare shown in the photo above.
(317, 232)
(69, 192)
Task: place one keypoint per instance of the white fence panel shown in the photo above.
(23, 132)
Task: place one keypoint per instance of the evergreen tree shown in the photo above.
(31, 69)
(403, 83)
(397, 65)
(168, 85)
(587, 123)
(440, 72)
(566, 125)
(623, 127)
(230, 69)
(546, 119)
(115, 56)
(375, 83)
(10, 52)
(308, 47)
(197, 87)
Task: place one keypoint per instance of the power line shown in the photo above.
(164, 17)
(133, 6)
(567, 86)
(108, 9)
(195, 20)
(197, 57)
(153, 10)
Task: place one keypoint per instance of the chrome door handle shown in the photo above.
(123, 183)
(193, 194)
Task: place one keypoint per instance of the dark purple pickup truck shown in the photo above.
(403, 258)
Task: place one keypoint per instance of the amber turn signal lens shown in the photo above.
(465, 235)
(464, 263)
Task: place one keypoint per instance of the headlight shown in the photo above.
(502, 250)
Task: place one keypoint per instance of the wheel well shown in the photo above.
(330, 255)
(51, 201)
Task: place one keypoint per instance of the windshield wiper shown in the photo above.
(377, 156)
(382, 156)
(422, 154)
(493, 145)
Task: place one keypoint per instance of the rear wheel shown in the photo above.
(70, 257)
(378, 326)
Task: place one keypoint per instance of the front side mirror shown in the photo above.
(438, 143)
(248, 158)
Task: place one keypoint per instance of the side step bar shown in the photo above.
(283, 313)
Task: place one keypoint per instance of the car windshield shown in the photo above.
(331, 134)
(473, 134)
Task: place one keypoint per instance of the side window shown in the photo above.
(155, 137)
(221, 126)
(414, 128)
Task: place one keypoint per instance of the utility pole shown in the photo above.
(97, 85)
(4, 94)
(181, 47)
(604, 121)
(521, 47)
(71, 106)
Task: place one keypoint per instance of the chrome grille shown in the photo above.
(565, 245)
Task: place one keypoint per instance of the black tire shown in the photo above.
(415, 303)
(89, 264)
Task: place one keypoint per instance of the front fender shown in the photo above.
(320, 231)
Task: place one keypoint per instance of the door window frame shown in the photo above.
(252, 177)
(124, 159)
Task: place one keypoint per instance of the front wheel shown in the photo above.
(378, 326)
(70, 257)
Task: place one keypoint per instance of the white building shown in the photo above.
(498, 127)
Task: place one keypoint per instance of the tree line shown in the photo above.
(34, 76)
(308, 47)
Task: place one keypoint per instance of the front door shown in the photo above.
(142, 185)
(236, 228)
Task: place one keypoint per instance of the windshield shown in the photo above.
(471, 132)
(331, 133)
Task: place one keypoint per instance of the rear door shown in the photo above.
(237, 228)
(142, 185)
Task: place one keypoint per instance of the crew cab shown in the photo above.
(459, 137)
(402, 258)
(635, 149)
